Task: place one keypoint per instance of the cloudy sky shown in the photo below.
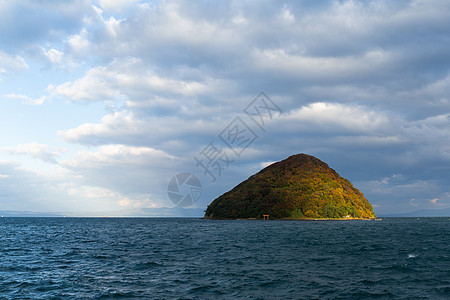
(103, 102)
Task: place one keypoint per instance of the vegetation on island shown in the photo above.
(299, 187)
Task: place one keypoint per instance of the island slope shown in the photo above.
(298, 187)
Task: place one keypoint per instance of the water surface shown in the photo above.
(131, 258)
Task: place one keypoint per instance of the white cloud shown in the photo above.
(36, 150)
(323, 68)
(130, 175)
(286, 16)
(336, 116)
(113, 125)
(79, 43)
(95, 193)
(58, 191)
(118, 155)
(125, 128)
(54, 56)
(11, 64)
(112, 6)
(267, 163)
(26, 190)
(127, 79)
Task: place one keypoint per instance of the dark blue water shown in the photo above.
(79, 258)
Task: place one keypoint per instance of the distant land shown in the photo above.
(162, 212)
(444, 212)
(299, 187)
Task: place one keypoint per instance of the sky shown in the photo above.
(103, 103)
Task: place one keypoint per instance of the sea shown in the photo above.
(188, 258)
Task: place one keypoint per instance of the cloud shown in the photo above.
(11, 64)
(128, 80)
(434, 201)
(113, 127)
(26, 190)
(36, 150)
(133, 173)
(54, 56)
(337, 116)
(413, 202)
(118, 154)
(23, 23)
(267, 163)
(58, 191)
(363, 85)
(79, 44)
(116, 6)
(126, 128)
(441, 203)
(332, 49)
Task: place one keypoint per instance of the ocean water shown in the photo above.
(132, 258)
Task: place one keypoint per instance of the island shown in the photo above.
(299, 187)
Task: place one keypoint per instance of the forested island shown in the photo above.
(299, 187)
